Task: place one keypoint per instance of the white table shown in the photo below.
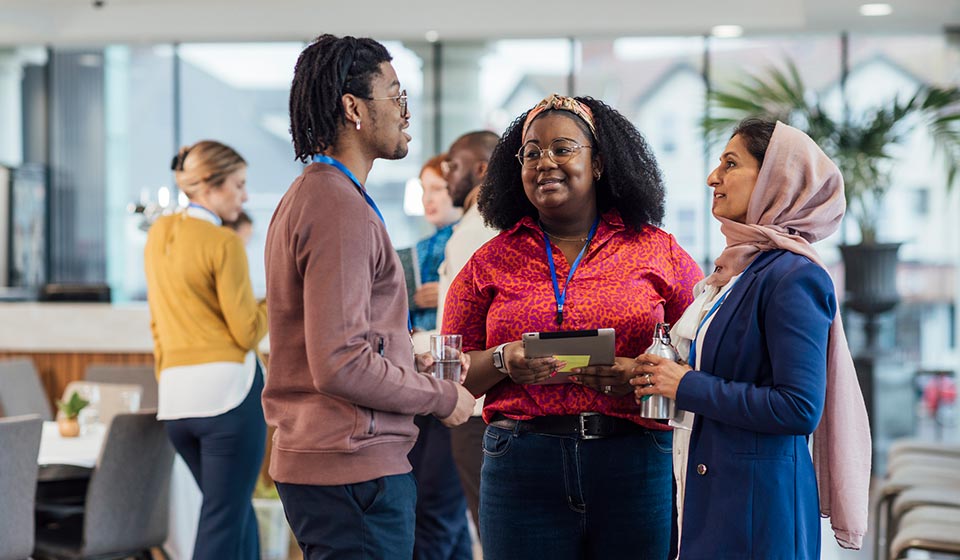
(83, 451)
(80, 451)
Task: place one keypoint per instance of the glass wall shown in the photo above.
(658, 83)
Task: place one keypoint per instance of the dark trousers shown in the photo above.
(563, 498)
(370, 520)
(225, 453)
(442, 532)
(466, 442)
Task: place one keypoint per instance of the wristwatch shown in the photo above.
(498, 361)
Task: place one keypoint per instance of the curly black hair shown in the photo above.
(631, 180)
(328, 68)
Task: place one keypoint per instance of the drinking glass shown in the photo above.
(445, 349)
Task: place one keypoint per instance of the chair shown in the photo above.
(143, 375)
(20, 443)
(112, 397)
(127, 501)
(929, 528)
(20, 390)
(922, 473)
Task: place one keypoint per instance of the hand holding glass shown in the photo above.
(445, 350)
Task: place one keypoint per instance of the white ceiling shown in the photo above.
(67, 22)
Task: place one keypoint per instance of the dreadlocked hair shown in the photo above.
(328, 68)
(631, 181)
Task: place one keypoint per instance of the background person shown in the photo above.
(243, 225)
(585, 195)
(206, 325)
(439, 210)
(343, 385)
(464, 170)
(767, 349)
(442, 531)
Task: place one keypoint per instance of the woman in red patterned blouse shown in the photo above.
(570, 470)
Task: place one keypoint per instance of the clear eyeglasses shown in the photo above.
(560, 152)
(400, 99)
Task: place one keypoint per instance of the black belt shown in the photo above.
(586, 425)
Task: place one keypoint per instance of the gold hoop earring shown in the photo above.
(358, 124)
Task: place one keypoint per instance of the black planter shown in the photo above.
(870, 277)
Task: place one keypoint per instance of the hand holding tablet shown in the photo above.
(575, 348)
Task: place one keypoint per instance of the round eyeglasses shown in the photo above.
(560, 152)
(400, 99)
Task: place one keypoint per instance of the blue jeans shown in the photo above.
(224, 454)
(563, 498)
(442, 531)
(370, 520)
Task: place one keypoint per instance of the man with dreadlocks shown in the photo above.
(343, 384)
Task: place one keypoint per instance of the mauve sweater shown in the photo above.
(341, 388)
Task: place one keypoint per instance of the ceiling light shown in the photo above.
(876, 9)
(726, 31)
(432, 36)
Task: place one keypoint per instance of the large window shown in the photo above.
(658, 84)
(239, 94)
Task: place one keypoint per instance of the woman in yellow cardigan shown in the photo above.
(206, 326)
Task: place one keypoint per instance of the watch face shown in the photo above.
(498, 360)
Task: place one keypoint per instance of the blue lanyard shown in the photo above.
(321, 158)
(693, 345)
(562, 295)
(217, 218)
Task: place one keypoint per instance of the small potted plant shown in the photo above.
(69, 410)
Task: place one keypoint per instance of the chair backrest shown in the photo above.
(20, 390)
(129, 493)
(143, 375)
(19, 446)
(114, 397)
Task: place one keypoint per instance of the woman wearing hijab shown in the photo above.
(768, 366)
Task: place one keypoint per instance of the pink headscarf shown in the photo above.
(798, 199)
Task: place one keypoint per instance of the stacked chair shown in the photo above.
(918, 505)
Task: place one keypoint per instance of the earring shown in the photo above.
(596, 175)
(358, 124)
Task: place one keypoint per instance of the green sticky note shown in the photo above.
(573, 361)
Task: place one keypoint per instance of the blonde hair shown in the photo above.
(206, 163)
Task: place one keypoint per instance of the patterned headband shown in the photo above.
(558, 102)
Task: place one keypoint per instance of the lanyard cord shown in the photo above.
(561, 296)
(321, 158)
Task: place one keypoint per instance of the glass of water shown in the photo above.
(130, 400)
(445, 349)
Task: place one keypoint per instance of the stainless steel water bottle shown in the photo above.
(659, 407)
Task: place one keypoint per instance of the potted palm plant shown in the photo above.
(860, 145)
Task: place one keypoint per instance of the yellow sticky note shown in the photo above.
(574, 361)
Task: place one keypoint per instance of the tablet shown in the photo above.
(577, 348)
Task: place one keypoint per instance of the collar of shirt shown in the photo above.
(610, 223)
(196, 211)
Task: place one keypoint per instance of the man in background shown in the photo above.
(464, 170)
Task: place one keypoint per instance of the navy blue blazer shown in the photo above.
(751, 491)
